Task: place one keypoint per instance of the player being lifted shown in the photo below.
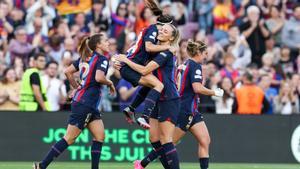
(164, 115)
(141, 53)
(92, 66)
(189, 82)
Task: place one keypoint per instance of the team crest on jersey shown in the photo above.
(104, 64)
(153, 36)
(84, 69)
(198, 74)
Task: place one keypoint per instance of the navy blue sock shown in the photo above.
(204, 163)
(152, 155)
(140, 97)
(150, 101)
(171, 155)
(55, 151)
(96, 153)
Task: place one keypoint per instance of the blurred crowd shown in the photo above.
(257, 36)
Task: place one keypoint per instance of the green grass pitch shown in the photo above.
(80, 165)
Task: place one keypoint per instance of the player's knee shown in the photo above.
(205, 141)
(99, 137)
(70, 140)
(165, 137)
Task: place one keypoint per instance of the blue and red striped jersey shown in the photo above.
(188, 73)
(137, 53)
(90, 92)
(166, 74)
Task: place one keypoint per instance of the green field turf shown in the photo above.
(78, 165)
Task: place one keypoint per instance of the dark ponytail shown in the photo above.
(154, 7)
(157, 11)
(88, 45)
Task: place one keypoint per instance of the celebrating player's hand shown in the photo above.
(112, 89)
(121, 58)
(117, 65)
(219, 92)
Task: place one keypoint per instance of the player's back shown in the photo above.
(188, 73)
(90, 92)
(137, 53)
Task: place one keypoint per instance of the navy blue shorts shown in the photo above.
(167, 110)
(130, 75)
(82, 115)
(186, 121)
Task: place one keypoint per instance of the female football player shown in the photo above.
(141, 53)
(164, 116)
(92, 66)
(189, 82)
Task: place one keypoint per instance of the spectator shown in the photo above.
(56, 47)
(291, 31)
(37, 38)
(286, 61)
(16, 17)
(42, 10)
(98, 16)
(33, 90)
(287, 102)
(182, 54)
(166, 7)
(223, 14)
(80, 22)
(119, 20)
(295, 85)
(228, 70)
(3, 64)
(56, 90)
(9, 91)
(224, 104)
(275, 24)
(250, 99)
(267, 61)
(142, 20)
(239, 48)
(19, 67)
(179, 11)
(207, 104)
(272, 49)
(19, 47)
(270, 92)
(5, 25)
(127, 94)
(205, 19)
(255, 31)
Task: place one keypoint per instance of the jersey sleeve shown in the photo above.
(35, 79)
(162, 58)
(76, 64)
(196, 74)
(102, 64)
(150, 36)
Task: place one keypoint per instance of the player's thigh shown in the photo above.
(200, 132)
(154, 131)
(96, 128)
(166, 129)
(149, 80)
(178, 134)
(72, 133)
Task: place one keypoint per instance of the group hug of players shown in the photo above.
(169, 91)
